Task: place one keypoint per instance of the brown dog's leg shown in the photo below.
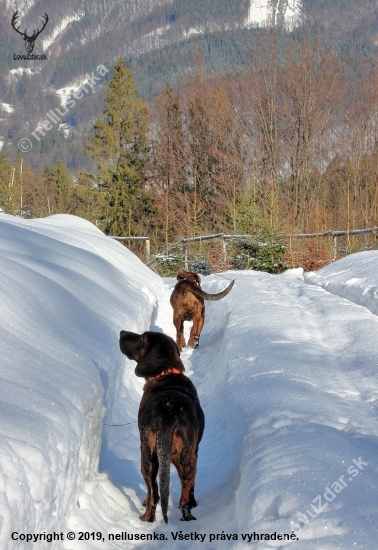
(195, 333)
(180, 338)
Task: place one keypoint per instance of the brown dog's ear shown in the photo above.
(197, 278)
(190, 276)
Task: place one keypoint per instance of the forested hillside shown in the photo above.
(151, 37)
(264, 130)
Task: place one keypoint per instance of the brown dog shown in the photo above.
(187, 300)
(170, 420)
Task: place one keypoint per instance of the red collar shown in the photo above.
(170, 370)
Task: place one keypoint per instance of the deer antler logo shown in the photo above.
(29, 40)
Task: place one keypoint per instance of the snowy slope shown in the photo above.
(286, 373)
(275, 12)
(65, 288)
(354, 277)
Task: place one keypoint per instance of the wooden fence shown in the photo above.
(183, 243)
(334, 235)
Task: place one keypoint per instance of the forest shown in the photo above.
(160, 42)
(286, 145)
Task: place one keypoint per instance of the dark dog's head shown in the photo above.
(189, 276)
(153, 351)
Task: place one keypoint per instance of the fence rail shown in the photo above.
(334, 235)
(183, 242)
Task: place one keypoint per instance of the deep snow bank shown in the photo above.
(65, 292)
(354, 277)
(286, 373)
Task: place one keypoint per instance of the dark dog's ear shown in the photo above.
(131, 344)
(161, 353)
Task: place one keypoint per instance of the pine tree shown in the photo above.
(87, 201)
(118, 146)
(58, 189)
(64, 188)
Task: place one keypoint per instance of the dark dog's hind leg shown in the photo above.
(186, 465)
(186, 514)
(149, 469)
(192, 501)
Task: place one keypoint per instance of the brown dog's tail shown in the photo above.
(202, 294)
(164, 447)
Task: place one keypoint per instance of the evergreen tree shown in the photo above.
(87, 198)
(64, 188)
(58, 189)
(118, 147)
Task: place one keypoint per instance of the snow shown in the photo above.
(22, 5)
(258, 12)
(286, 372)
(7, 107)
(65, 93)
(85, 86)
(61, 27)
(20, 71)
(266, 12)
(354, 279)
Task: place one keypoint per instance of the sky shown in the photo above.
(286, 372)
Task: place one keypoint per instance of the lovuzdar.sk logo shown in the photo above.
(30, 38)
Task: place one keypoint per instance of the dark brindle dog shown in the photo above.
(187, 300)
(170, 420)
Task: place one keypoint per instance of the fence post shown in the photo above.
(147, 250)
(224, 249)
(185, 249)
(334, 248)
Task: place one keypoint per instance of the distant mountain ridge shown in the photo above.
(159, 40)
(116, 27)
(79, 36)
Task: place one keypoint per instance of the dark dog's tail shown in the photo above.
(202, 294)
(164, 447)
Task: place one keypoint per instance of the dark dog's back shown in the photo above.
(169, 397)
(172, 412)
(170, 419)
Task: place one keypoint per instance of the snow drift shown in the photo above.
(286, 373)
(65, 290)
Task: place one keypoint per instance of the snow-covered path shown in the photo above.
(287, 377)
(286, 372)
